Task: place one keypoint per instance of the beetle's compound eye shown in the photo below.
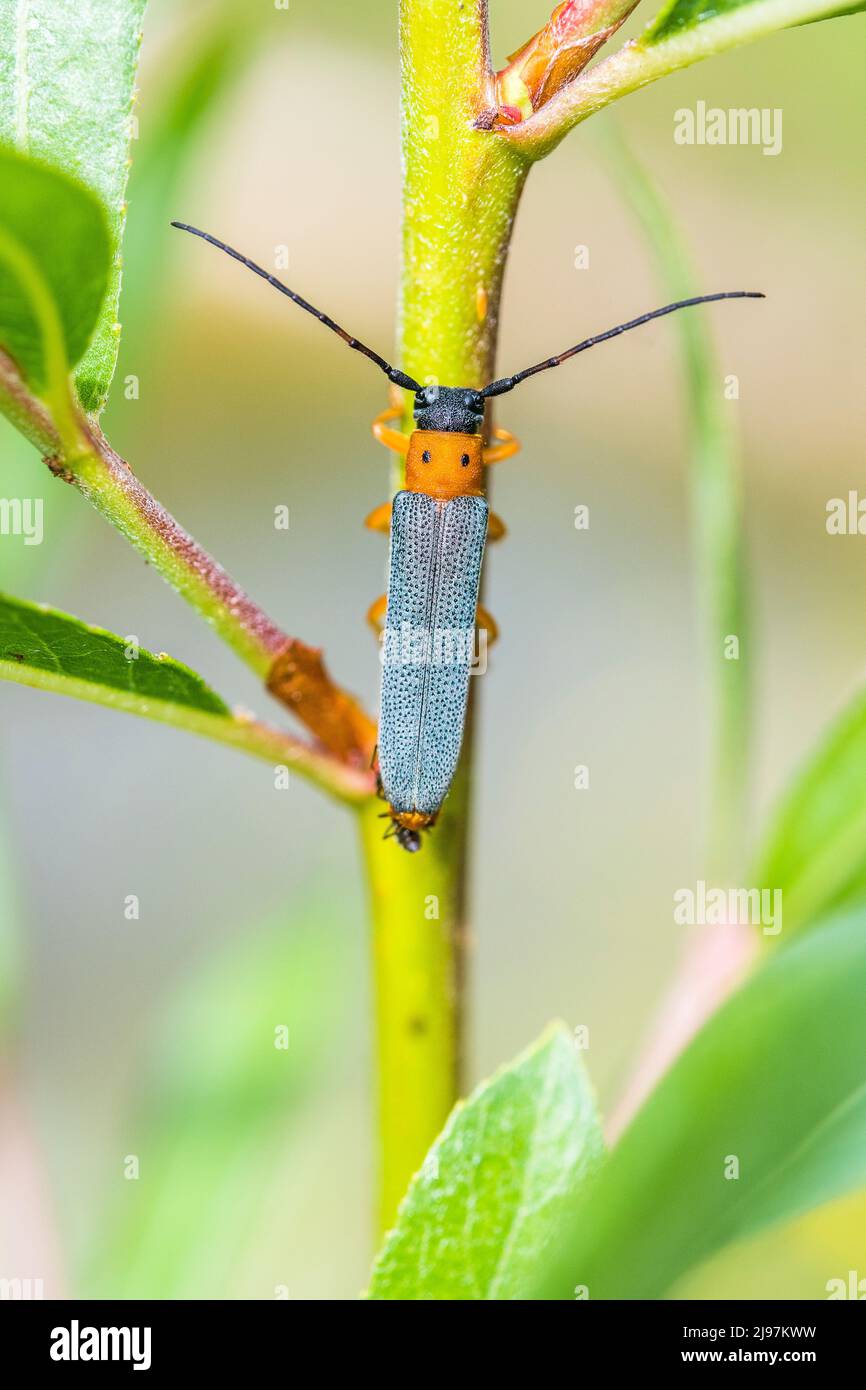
(465, 460)
(426, 456)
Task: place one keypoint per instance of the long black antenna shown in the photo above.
(508, 383)
(392, 373)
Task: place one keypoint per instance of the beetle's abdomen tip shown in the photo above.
(407, 827)
(413, 820)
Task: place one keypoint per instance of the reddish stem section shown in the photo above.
(292, 671)
(190, 557)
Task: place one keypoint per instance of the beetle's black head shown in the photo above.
(453, 409)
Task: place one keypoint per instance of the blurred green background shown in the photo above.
(154, 1037)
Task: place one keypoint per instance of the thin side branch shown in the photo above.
(292, 671)
(640, 62)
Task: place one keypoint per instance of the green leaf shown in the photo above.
(217, 1095)
(42, 647)
(49, 650)
(54, 264)
(679, 15)
(776, 1081)
(815, 848)
(494, 1186)
(67, 74)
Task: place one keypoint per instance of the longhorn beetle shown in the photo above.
(438, 526)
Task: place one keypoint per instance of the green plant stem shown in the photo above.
(417, 919)
(717, 510)
(460, 194)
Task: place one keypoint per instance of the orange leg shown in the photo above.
(507, 446)
(496, 527)
(484, 620)
(376, 612)
(392, 439)
(380, 518)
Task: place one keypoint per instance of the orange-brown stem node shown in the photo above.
(299, 679)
